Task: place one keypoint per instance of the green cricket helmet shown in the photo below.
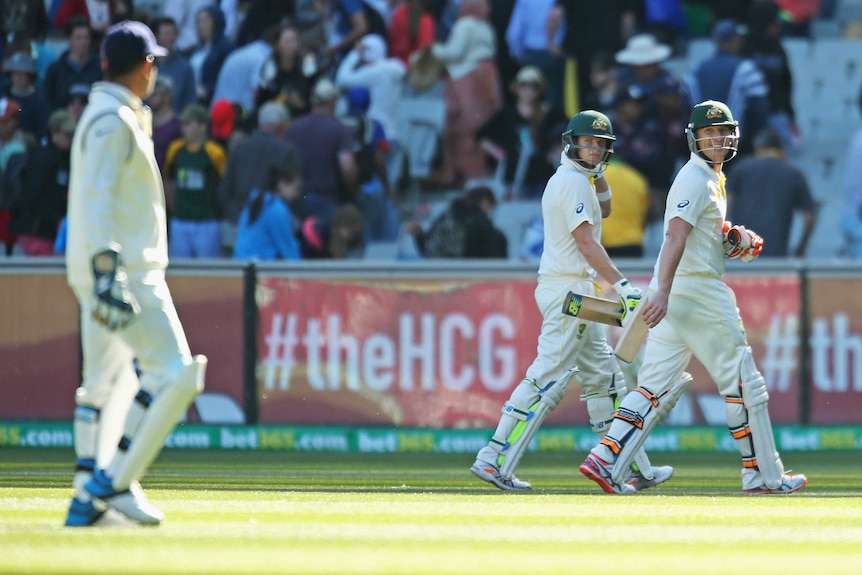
(712, 113)
(589, 123)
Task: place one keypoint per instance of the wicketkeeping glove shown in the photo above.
(115, 305)
(629, 296)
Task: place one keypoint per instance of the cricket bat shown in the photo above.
(591, 308)
(634, 332)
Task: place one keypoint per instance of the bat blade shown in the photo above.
(634, 332)
(592, 308)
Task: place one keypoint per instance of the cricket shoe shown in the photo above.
(659, 476)
(130, 502)
(600, 472)
(789, 484)
(491, 473)
(83, 513)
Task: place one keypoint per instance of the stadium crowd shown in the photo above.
(279, 125)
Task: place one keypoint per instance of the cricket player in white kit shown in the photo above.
(116, 260)
(691, 311)
(574, 202)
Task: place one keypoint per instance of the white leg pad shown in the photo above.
(159, 419)
(524, 431)
(635, 420)
(749, 423)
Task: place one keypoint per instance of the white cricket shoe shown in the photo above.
(660, 474)
(600, 471)
(789, 484)
(491, 473)
(131, 502)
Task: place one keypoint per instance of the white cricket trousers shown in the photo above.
(702, 320)
(155, 338)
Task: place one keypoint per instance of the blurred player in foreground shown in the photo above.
(116, 260)
(692, 312)
(574, 202)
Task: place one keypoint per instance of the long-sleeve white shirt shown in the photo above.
(471, 41)
(115, 188)
(383, 80)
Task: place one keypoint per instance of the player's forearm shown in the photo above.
(599, 260)
(671, 254)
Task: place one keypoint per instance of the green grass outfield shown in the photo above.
(278, 512)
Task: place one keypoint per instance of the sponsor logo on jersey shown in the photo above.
(682, 204)
(580, 208)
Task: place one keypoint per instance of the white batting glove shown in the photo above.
(115, 305)
(736, 240)
(755, 247)
(629, 296)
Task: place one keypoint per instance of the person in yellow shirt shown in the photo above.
(623, 230)
(194, 165)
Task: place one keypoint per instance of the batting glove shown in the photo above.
(752, 252)
(629, 296)
(736, 240)
(115, 305)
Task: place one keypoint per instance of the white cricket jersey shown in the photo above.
(697, 196)
(568, 201)
(115, 188)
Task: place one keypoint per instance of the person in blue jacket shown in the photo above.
(267, 226)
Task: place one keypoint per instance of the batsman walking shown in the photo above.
(116, 260)
(574, 202)
(691, 311)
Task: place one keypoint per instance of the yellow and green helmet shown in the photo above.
(712, 113)
(589, 123)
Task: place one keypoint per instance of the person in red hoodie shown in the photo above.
(410, 30)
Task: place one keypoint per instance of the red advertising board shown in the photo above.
(447, 353)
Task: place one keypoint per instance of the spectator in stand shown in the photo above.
(527, 38)
(590, 27)
(464, 230)
(260, 17)
(184, 14)
(338, 236)
(351, 24)
(43, 55)
(664, 97)
(268, 229)
(763, 45)
(42, 205)
(13, 157)
(623, 231)
(325, 148)
(370, 147)
(411, 29)
(851, 218)
(99, 13)
(283, 76)
(17, 16)
(473, 91)
(223, 121)
(517, 135)
(251, 161)
(35, 109)
(604, 84)
(799, 15)
(368, 67)
(641, 144)
(175, 66)
(76, 100)
(240, 74)
(728, 77)
(209, 54)
(77, 65)
(193, 168)
(166, 125)
(766, 183)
